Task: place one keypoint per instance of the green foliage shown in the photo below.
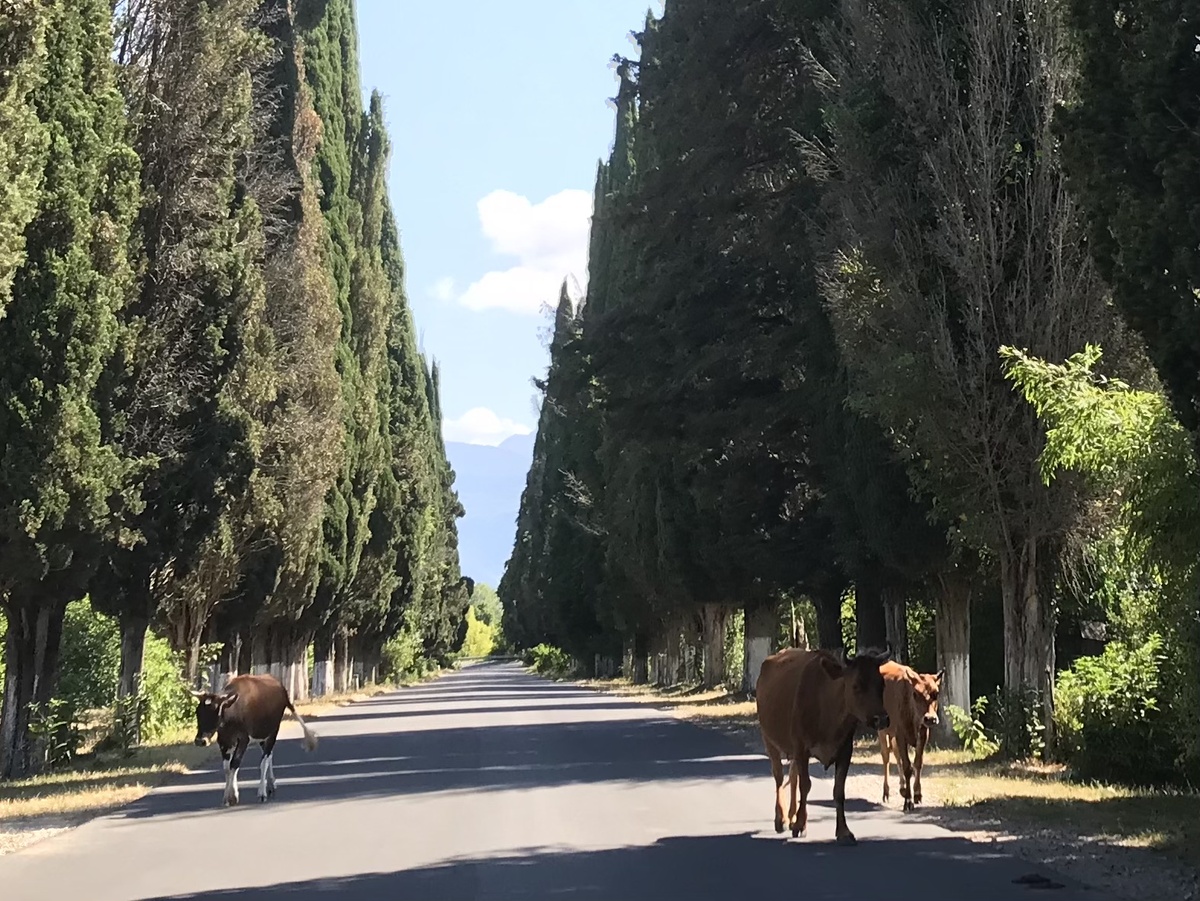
(90, 658)
(970, 728)
(481, 637)
(547, 660)
(56, 726)
(167, 703)
(403, 656)
(1128, 442)
(1015, 719)
(1109, 704)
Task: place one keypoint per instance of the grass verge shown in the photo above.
(97, 782)
(964, 792)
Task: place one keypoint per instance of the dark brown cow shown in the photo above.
(911, 699)
(809, 705)
(249, 709)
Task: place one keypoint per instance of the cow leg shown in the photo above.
(842, 767)
(793, 789)
(777, 773)
(231, 771)
(918, 763)
(906, 771)
(266, 770)
(800, 830)
(885, 750)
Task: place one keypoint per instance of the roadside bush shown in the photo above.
(549, 661)
(970, 728)
(167, 705)
(403, 657)
(1107, 708)
(90, 658)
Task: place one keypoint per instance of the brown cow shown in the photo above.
(911, 699)
(249, 709)
(809, 705)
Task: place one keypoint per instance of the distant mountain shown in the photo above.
(489, 481)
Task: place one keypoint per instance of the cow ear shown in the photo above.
(225, 700)
(941, 674)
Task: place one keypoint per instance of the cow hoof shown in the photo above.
(909, 806)
(916, 799)
(778, 827)
(231, 802)
(847, 839)
(797, 832)
(262, 799)
(886, 795)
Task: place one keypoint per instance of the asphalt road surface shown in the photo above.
(489, 783)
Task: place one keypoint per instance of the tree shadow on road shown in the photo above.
(694, 868)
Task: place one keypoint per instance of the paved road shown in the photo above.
(492, 784)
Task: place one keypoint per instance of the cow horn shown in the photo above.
(195, 694)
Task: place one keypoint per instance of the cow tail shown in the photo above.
(310, 737)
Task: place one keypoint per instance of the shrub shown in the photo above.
(167, 704)
(403, 657)
(1107, 707)
(90, 658)
(549, 661)
(970, 729)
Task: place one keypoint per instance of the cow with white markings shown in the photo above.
(249, 708)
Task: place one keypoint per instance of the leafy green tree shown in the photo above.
(58, 476)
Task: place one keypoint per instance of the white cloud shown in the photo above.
(482, 426)
(443, 289)
(549, 241)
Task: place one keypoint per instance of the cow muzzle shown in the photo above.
(202, 741)
(880, 721)
(931, 719)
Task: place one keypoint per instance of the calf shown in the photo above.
(249, 709)
(911, 700)
(809, 705)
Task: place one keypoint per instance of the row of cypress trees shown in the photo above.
(216, 420)
(820, 223)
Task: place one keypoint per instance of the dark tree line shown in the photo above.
(820, 224)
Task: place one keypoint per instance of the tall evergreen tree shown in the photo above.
(1133, 157)
(58, 476)
(23, 136)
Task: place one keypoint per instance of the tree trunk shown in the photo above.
(895, 612)
(871, 626)
(133, 647)
(674, 662)
(641, 647)
(342, 664)
(799, 633)
(828, 602)
(758, 638)
(1028, 631)
(31, 655)
(628, 653)
(953, 625)
(713, 621)
(322, 677)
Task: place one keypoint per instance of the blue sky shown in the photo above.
(498, 114)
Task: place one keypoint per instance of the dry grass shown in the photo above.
(100, 781)
(962, 791)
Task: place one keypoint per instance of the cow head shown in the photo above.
(864, 687)
(209, 707)
(926, 689)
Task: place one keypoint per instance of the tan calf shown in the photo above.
(911, 700)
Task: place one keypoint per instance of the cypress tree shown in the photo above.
(23, 136)
(58, 476)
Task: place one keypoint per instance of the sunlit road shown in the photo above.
(490, 783)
